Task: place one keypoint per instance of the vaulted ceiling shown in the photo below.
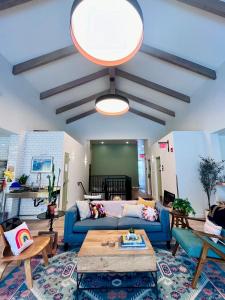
(184, 45)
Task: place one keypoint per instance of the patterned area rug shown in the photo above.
(58, 281)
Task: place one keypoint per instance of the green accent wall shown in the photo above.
(115, 159)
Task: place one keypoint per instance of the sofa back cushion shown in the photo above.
(131, 210)
(84, 209)
(114, 208)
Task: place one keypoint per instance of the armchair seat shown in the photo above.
(192, 244)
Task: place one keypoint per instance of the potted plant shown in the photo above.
(210, 174)
(52, 193)
(23, 179)
(183, 206)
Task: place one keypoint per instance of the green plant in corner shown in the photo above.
(210, 174)
(183, 206)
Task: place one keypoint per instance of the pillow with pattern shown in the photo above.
(149, 214)
(19, 238)
(97, 210)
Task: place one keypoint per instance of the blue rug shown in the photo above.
(58, 281)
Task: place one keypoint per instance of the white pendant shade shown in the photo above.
(112, 105)
(107, 32)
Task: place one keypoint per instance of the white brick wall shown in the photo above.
(21, 150)
(4, 148)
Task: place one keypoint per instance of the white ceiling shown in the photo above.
(42, 26)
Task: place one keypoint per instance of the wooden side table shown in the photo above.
(179, 220)
(53, 244)
(52, 248)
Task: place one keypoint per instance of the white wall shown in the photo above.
(169, 167)
(29, 144)
(4, 148)
(222, 146)
(78, 168)
(184, 163)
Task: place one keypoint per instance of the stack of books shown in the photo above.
(126, 243)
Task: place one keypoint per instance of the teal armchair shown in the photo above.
(198, 245)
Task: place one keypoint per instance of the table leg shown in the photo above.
(18, 209)
(4, 205)
(78, 284)
(51, 225)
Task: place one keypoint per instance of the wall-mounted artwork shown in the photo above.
(41, 164)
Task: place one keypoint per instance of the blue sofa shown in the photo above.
(76, 230)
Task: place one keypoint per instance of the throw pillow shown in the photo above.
(19, 238)
(149, 214)
(210, 227)
(149, 203)
(84, 209)
(97, 211)
(132, 210)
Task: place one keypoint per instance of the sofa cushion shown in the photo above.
(193, 244)
(106, 223)
(136, 223)
(114, 208)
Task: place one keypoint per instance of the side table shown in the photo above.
(179, 219)
(52, 248)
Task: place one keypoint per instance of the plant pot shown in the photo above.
(51, 209)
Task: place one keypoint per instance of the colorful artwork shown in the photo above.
(41, 164)
(22, 236)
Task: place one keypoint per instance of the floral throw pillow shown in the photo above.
(150, 214)
(97, 211)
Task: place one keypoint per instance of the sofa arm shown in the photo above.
(71, 216)
(164, 218)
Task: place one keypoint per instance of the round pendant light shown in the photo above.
(112, 105)
(107, 32)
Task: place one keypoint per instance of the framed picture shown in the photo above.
(41, 164)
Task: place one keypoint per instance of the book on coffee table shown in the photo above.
(130, 243)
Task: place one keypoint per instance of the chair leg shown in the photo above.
(45, 256)
(201, 262)
(3, 266)
(175, 249)
(28, 273)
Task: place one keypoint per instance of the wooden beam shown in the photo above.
(178, 61)
(216, 7)
(112, 80)
(5, 4)
(154, 86)
(80, 102)
(144, 115)
(81, 116)
(147, 103)
(43, 60)
(72, 84)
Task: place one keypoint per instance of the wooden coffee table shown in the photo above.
(95, 258)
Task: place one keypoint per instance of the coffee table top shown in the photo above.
(95, 258)
(92, 244)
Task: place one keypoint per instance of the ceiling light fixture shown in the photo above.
(112, 105)
(107, 32)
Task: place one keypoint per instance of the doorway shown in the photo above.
(159, 178)
(65, 180)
